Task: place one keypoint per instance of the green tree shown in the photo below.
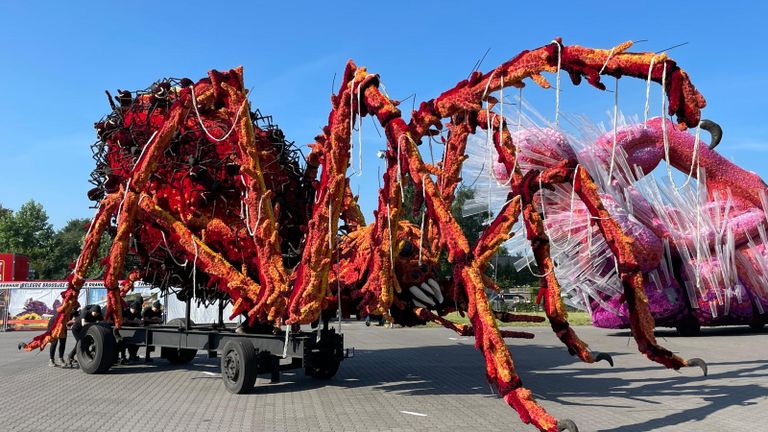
(472, 226)
(507, 276)
(28, 232)
(51, 253)
(65, 248)
(4, 212)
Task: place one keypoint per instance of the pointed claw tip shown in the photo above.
(700, 363)
(567, 425)
(603, 356)
(715, 131)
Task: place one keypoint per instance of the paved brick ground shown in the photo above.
(430, 372)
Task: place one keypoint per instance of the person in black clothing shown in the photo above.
(60, 343)
(89, 314)
(131, 316)
(132, 313)
(152, 315)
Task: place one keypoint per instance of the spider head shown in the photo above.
(417, 270)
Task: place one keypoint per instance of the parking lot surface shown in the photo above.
(417, 379)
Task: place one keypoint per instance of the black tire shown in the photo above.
(326, 369)
(238, 366)
(323, 359)
(97, 349)
(322, 362)
(689, 327)
(179, 322)
(178, 355)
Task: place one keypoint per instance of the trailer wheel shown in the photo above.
(239, 366)
(96, 350)
(323, 365)
(179, 322)
(178, 355)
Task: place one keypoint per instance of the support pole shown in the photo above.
(274, 369)
(165, 307)
(7, 299)
(187, 313)
(222, 305)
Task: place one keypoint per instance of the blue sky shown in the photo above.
(58, 58)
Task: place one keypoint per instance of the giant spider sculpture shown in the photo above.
(213, 201)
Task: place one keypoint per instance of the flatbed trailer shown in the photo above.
(243, 356)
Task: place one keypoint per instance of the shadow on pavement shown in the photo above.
(547, 370)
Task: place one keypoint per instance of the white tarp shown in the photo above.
(61, 285)
(42, 302)
(199, 315)
(44, 296)
(33, 301)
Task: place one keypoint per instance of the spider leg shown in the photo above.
(261, 218)
(351, 258)
(142, 170)
(640, 319)
(379, 289)
(461, 329)
(76, 279)
(499, 365)
(459, 130)
(464, 329)
(381, 286)
(350, 211)
(550, 287)
(448, 180)
(507, 317)
(525, 187)
(241, 288)
(127, 285)
(311, 283)
(116, 257)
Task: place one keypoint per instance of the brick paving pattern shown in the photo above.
(432, 374)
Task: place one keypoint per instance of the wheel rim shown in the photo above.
(231, 366)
